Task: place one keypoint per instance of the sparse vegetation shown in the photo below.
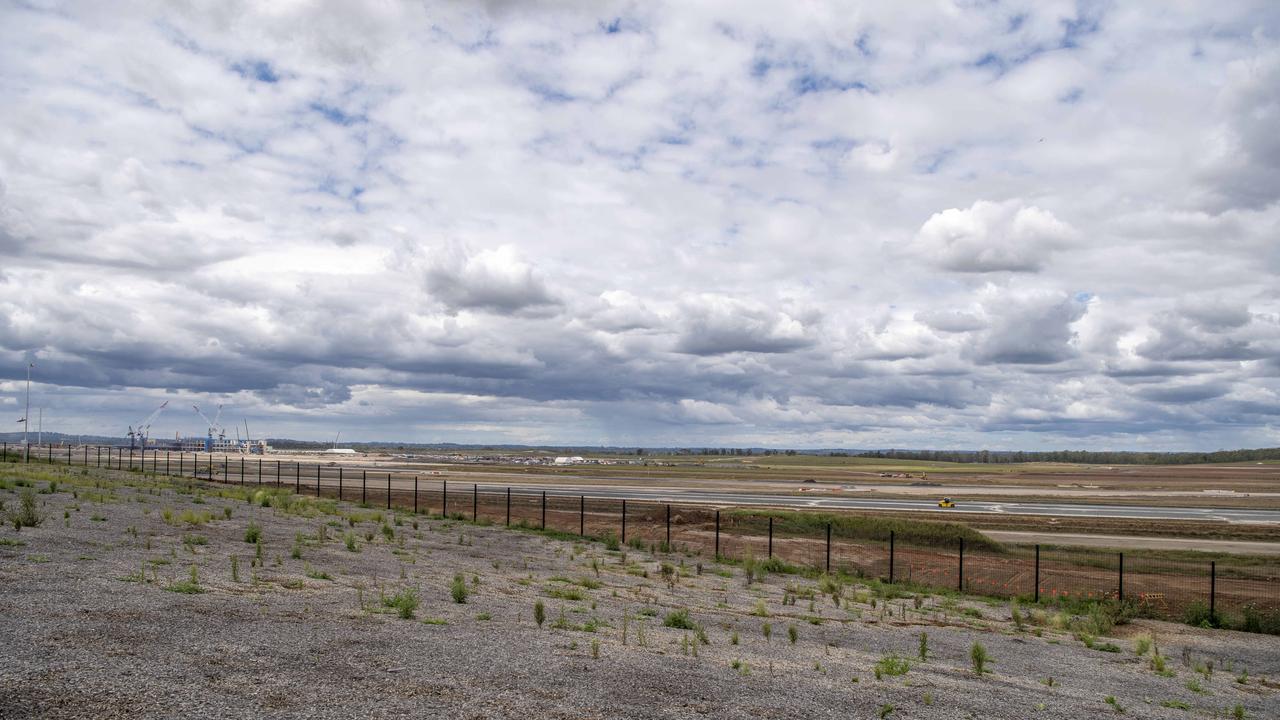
(979, 658)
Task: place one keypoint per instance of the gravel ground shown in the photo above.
(82, 636)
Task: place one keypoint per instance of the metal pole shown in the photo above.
(444, 498)
(166, 461)
(624, 521)
(259, 471)
(130, 459)
(890, 557)
(340, 493)
(668, 528)
(226, 477)
(544, 509)
(388, 491)
(241, 467)
(961, 581)
(277, 473)
(508, 507)
(98, 457)
(1213, 588)
(828, 548)
(582, 514)
(297, 477)
(1037, 590)
(364, 486)
(26, 416)
(1120, 594)
(181, 457)
(717, 534)
(475, 501)
(770, 536)
(317, 479)
(415, 494)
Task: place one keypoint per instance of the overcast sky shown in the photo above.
(1011, 225)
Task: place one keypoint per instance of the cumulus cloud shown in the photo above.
(495, 280)
(992, 237)
(715, 325)
(1028, 329)
(647, 224)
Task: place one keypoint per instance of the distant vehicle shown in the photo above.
(946, 502)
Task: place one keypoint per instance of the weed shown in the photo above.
(571, 594)
(253, 533)
(1237, 712)
(1115, 704)
(1175, 704)
(679, 619)
(595, 649)
(316, 574)
(1142, 644)
(891, 665)
(190, 586)
(733, 639)
(1049, 681)
(767, 629)
(539, 612)
(885, 711)
(235, 569)
(28, 513)
(404, 602)
(459, 589)
(349, 540)
(792, 633)
(924, 647)
(1194, 686)
(979, 658)
(760, 610)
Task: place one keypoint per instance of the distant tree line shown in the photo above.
(1077, 456)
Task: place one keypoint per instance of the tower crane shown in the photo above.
(143, 428)
(213, 427)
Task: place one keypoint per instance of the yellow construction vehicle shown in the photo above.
(946, 502)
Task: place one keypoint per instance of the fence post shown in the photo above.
(1213, 588)
(341, 495)
(415, 495)
(770, 536)
(475, 502)
(544, 509)
(624, 521)
(890, 557)
(364, 487)
(582, 515)
(508, 507)
(828, 548)
(297, 477)
(388, 491)
(1037, 590)
(98, 459)
(444, 499)
(166, 461)
(317, 479)
(717, 535)
(960, 584)
(668, 528)
(181, 458)
(1121, 589)
(144, 460)
(259, 469)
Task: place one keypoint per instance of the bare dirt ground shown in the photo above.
(93, 626)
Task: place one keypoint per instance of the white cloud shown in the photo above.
(675, 223)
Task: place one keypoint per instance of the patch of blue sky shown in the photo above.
(259, 70)
(337, 115)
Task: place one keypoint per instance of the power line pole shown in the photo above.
(26, 417)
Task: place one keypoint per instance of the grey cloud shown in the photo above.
(715, 325)
(1177, 341)
(1184, 393)
(951, 321)
(1028, 330)
(496, 280)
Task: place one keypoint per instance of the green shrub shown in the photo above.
(679, 619)
(979, 658)
(28, 513)
(459, 589)
(539, 613)
(253, 533)
(892, 665)
(404, 602)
